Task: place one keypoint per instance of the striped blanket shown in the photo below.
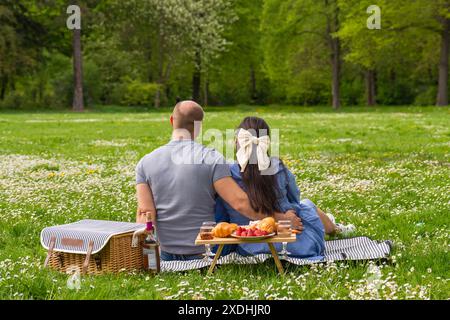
(357, 248)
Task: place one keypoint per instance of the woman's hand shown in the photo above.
(296, 222)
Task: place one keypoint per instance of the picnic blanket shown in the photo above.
(357, 248)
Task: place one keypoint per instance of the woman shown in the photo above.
(271, 187)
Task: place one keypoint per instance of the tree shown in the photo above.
(22, 39)
(395, 44)
(208, 23)
(292, 28)
(159, 30)
(74, 23)
(364, 46)
(443, 17)
(8, 48)
(333, 24)
(78, 104)
(77, 56)
(238, 75)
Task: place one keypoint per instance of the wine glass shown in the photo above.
(284, 230)
(206, 234)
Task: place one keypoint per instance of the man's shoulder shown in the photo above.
(211, 155)
(153, 154)
(208, 149)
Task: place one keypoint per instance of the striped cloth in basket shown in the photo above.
(98, 231)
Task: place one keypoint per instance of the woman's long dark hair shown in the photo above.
(262, 190)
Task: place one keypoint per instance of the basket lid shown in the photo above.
(75, 237)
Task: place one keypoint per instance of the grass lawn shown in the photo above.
(386, 170)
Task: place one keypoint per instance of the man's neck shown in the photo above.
(178, 135)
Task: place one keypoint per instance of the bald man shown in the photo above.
(177, 185)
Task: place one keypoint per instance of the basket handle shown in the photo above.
(51, 246)
(88, 256)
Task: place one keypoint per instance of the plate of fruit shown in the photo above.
(256, 231)
(249, 233)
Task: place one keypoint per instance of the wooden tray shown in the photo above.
(254, 238)
(223, 241)
(230, 240)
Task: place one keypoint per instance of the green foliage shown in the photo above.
(296, 50)
(256, 52)
(426, 98)
(139, 93)
(394, 49)
(49, 86)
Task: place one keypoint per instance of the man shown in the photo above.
(177, 183)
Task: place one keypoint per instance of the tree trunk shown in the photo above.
(3, 87)
(149, 56)
(205, 92)
(160, 59)
(336, 74)
(41, 88)
(335, 47)
(196, 78)
(157, 100)
(442, 95)
(78, 104)
(370, 87)
(253, 93)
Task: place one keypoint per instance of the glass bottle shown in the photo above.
(150, 250)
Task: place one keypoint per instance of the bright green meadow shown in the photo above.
(384, 169)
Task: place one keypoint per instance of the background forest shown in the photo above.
(151, 52)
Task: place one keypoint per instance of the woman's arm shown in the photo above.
(293, 192)
(289, 193)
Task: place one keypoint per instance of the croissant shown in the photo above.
(224, 229)
(267, 224)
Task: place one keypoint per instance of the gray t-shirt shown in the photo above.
(181, 176)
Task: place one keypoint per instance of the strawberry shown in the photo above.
(243, 233)
(258, 233)
(238, 232)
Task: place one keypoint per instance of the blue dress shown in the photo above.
(310, 243)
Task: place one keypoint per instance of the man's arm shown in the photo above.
(146, 204)
(230, 191)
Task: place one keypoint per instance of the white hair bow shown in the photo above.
(246, 141)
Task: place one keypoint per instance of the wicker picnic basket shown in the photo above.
(64, 253)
